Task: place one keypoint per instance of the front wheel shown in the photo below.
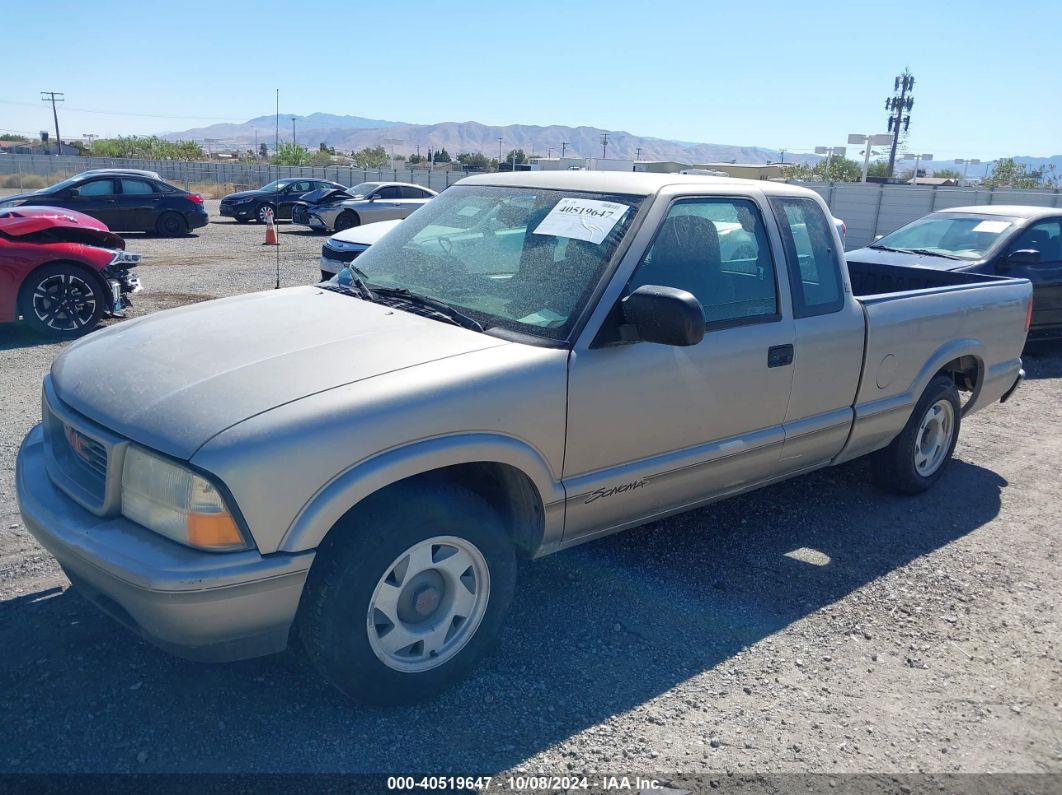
(402, 604)
(62, 301)
(346, 220)
(916, 458)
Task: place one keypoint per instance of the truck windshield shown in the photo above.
(521, 258)
(962, 236)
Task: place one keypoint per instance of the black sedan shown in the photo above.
(1004, 240)
(278, 197)
(126, 201)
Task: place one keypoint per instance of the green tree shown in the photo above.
(515, 156)
(150, 147)
(476, 161)
(417, 159)
(442, 156)
(830, 169)
(10, 137)
(263, 150)
(291, 154)
(947, 173)
(370, 158)
(879, 168)
(1007, 173)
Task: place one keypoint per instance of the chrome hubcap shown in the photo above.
(428, 604)
(934, 437)
(64, 302)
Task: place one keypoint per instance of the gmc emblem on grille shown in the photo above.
(76, 442)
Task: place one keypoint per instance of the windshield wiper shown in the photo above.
(439, 308)
(880, 247)
(928, 253)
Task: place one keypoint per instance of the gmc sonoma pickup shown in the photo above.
(528, 362)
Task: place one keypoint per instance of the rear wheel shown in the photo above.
(917, 458)
(346, 220)
(402, 605)
(171, 224)
(62, 300)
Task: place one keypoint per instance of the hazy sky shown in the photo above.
(765, 73)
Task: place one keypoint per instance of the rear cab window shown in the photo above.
(814, 267)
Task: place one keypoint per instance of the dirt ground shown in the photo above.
(818, 626)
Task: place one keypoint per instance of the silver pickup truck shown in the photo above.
(528, 362)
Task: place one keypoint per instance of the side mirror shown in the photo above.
(374, 197)
(878, 237)
(72, 192)
(665, 315)
(1023, 256)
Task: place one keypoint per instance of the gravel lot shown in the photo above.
(816, 626)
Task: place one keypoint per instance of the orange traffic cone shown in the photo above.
(271, 231)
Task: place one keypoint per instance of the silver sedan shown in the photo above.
(372, 201)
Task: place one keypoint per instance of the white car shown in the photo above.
(344, 247)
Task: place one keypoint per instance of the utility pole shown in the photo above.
(898, 104)
(549, 153)
(293, 130)
(604, 144)
(638, 153)
(276, 147)
(499, 154)
(564, 145)
(53, 97)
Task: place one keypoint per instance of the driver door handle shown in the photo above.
(779, 355)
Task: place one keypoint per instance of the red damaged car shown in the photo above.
(61, 271)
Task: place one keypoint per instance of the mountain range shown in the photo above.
(350, 133)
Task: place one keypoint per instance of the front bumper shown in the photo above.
(238, 210)
(200, 605)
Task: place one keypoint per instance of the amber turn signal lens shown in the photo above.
(213, 530)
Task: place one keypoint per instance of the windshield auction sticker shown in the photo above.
(582, 219)
(994, 227)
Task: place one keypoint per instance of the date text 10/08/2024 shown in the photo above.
(523, 783)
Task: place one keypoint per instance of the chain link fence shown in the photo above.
(212, 179)
(867, 210)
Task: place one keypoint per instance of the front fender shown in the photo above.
(353, 485)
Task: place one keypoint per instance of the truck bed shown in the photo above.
(873, 279)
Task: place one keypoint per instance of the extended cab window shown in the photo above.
(717, 250)
(814, 272)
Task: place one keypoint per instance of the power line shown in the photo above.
(124, 112)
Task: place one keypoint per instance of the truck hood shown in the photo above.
(874, 256)
(173, 380)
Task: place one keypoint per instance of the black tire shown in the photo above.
(334, 620)
(171, 224)
(260, 212)
(895, 468)
(347, 220)
(62, 300)
(243, 220)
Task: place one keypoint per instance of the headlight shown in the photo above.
(124, 258)
(243, 200)
(177, 503)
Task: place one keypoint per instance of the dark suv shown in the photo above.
(125, 200)
(279, 196)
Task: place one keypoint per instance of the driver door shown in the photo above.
(654, 428)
